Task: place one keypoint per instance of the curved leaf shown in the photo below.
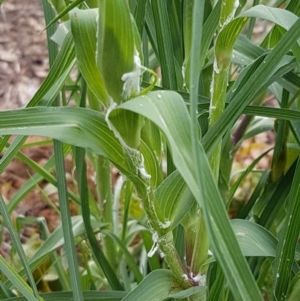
(84, 30)
(116, 45)
(158, 286)
(174, 198)
(254, 240)
(88, 296)
(76, 126)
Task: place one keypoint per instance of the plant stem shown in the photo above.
(104, 190)
(217, 106)
(160, 228)
(220, 80)
(201, 246)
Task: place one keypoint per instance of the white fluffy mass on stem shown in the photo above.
(131, 79)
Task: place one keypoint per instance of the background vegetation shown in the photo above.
(164, 91)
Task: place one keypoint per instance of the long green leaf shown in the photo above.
(17, 281)
(76, 126)
(158, 286)
(97, 251)
(17, 244)
(288, 240)
(164, 43)
(84, 29)
(66, 221)
(116, 45)
(88, 296)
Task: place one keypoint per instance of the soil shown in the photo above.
(23, 52)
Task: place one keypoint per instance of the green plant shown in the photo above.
(122, 117)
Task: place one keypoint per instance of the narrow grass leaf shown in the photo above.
(238, 182)
(139, 15)
(129, 258)
(209, 29)
(164, 43)
(294, 289)
(288, 240)
(17, 281)
(255, 195)
(86, 215)
(64, 12)
(66, 221)
(68, 296)
(17, 244)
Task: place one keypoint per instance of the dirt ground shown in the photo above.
(23, 52)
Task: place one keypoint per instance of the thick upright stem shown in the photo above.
(200, 248)
(220, 79)
(104, 190)
(217, 104)
(161, 235)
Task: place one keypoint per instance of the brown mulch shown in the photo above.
(23, 52)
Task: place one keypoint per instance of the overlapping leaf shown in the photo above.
(84, 30)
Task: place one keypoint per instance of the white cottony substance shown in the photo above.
(142, 171)
(183, 71)
(131, 79)
(185, 277)
(97, 40)
(211, 88)
(201, 279)
(155, 244)
(153, 250)
(216, 68)
(164, 225)
(231, 15)
(212, 108)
